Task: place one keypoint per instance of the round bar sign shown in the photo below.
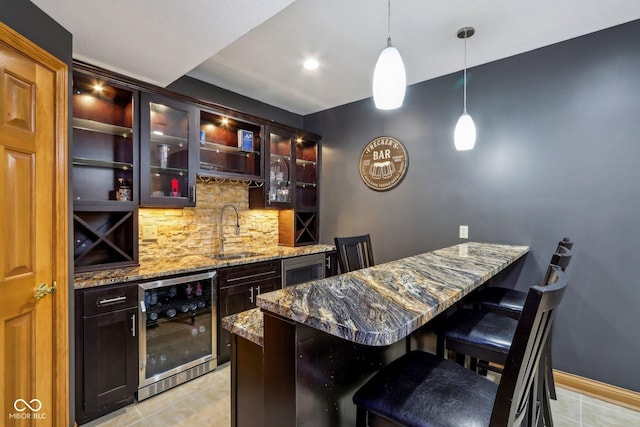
(383, 163)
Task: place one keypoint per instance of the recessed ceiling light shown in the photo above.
(311, 64)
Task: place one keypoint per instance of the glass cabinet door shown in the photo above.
(166, 151)
(280, 170)
(229, 147)
(104, 143)
(306, 174)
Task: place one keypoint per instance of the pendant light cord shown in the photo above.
(389, 23)
(464, 111)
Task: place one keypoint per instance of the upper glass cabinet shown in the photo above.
(229, 147)
(306, 173)
(168, 129)
(281, 173)
(105, 145)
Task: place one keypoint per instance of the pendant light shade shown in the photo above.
(389, 76)
(464, 136)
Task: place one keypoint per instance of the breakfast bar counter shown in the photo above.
(323, 339)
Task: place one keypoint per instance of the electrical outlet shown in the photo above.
(150, 232)
(464, 231)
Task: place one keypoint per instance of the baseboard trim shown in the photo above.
(610, 393)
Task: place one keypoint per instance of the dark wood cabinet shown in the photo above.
(104, 239)
(105, 174)
(168, 156)
(238, 288)
(247, 384)
(291, 184)
(298, 227)
(306, 176)
(331, 264)
(291, 170)
(106, 350)
(105, 143)
(229, 147)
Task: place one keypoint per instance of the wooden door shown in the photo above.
(33, 235)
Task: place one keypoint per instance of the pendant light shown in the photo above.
(464, 136)
(389, 77)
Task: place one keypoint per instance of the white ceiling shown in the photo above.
(256, 47)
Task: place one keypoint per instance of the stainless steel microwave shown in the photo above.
(302, 269)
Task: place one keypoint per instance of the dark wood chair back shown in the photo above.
(565, 243)
(354, 252)
(561, 258)
(516, 396)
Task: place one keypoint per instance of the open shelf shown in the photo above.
(298, 228)
(219, 147)
(305, 162)
(102, 239)
(168, 139)
(95, 126)
(80, 161)
(229, 146)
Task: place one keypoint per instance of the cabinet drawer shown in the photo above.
(234, 276)
(109, 298)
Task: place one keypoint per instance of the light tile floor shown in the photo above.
(205, 402)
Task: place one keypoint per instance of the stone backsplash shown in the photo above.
(195, 231)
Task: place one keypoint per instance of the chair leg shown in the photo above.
(483, 371)
(546, 406)
(548, 374)
(440, 347)
(361, 417)
(548, 368)
(532, 407)
(473, 364)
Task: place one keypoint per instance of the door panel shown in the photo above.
(110, 359)
(19, 213)
(33, 335)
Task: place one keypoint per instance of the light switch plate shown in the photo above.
(464, 231)
(149, 232)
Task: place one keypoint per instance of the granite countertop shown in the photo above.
(186, 264)
(383, 304)
(248, 324)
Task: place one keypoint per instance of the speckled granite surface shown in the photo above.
(383, 304)
(185, 264)
(248, 324)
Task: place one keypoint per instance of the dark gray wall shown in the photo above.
(28, 20)
(557, 155)
(204, 91)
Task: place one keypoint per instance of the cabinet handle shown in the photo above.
(258, 290)
(133, 325)
(111, 300)
(192, 193)
(328, 260)
(251, 294)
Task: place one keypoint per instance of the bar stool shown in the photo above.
(508, 301)
(420, 389)
(487, 336)
(354, 252)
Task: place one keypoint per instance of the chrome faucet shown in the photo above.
(222, 238)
